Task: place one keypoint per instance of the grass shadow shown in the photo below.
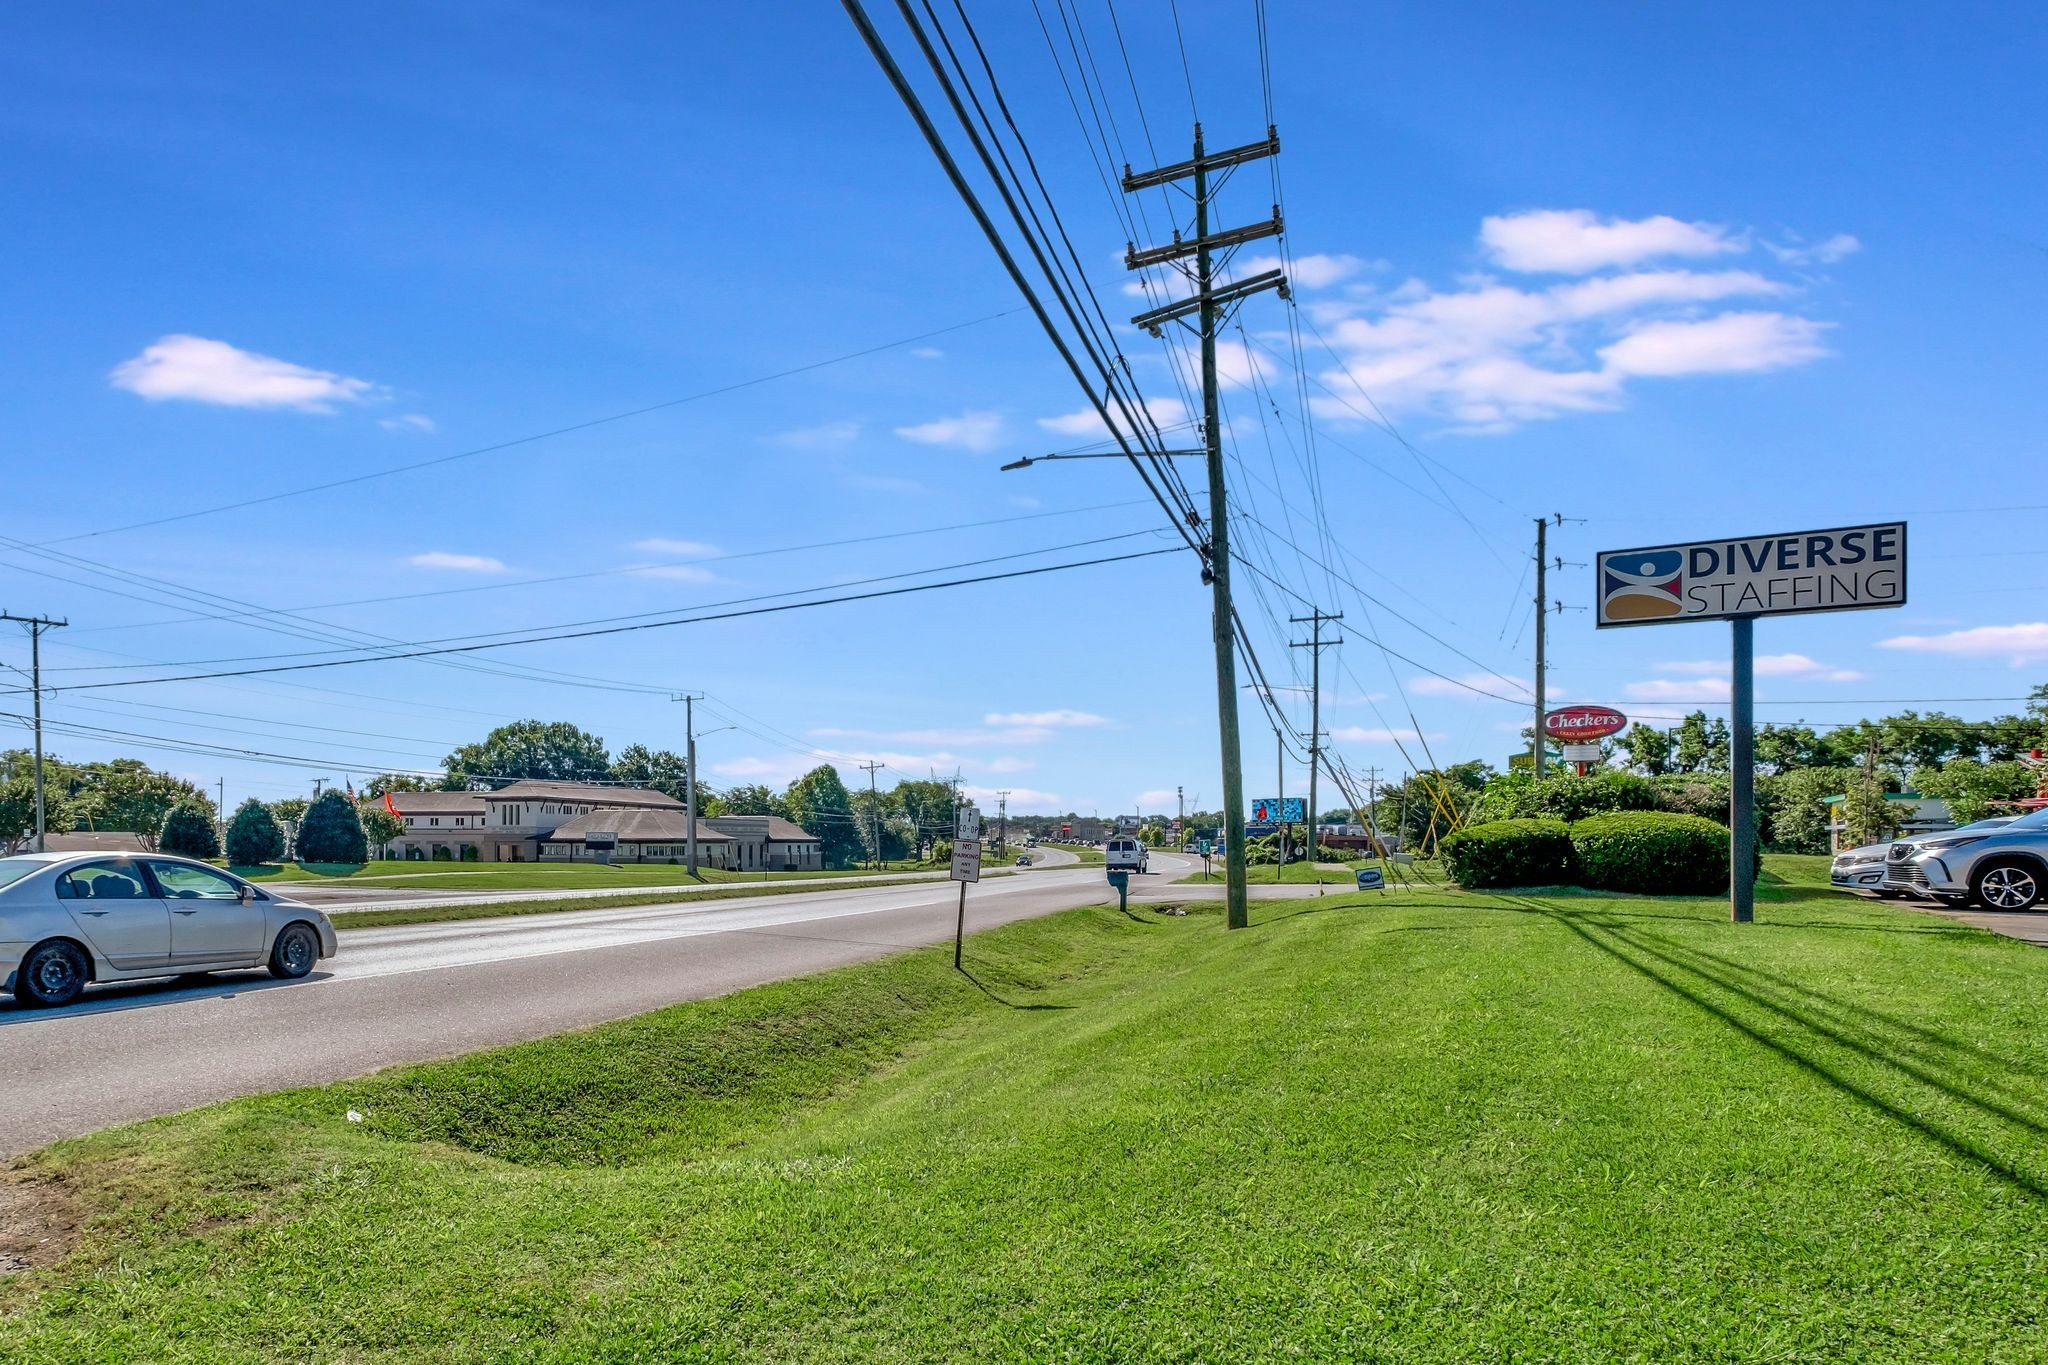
(977, 983)
(1780, 1032)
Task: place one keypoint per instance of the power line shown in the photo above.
(619, 630)
(536, 436)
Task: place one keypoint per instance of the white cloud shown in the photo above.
(1157, 799)
(410, 421)
(1085, 424)
(2023, 643)
(1374, 734)
(674, 573)
(1021, 798)
(774, 771)
(1315, 271)
(1770, 666)
(442, 559)
(1017, 734)
(1429, 685)
(927, 352)
(1487, 356)
(688, 549)
(1576, 241)
(203, 371)
(1728, 344)
(1799, 252)
(823, 436)
(1679, 689)
(976, 431)
(1061, 718)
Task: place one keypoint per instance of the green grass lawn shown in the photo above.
(1090, 857)
(1298, 874)
(537, 876)
(1426, 1126)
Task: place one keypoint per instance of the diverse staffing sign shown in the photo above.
(1849, 568)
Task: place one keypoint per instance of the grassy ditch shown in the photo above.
(431, 876)
(1425, 1126)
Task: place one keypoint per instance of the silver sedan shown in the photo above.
(67, 919)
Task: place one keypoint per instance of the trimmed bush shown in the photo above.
(332, 831)
(1652, 852)
(1521, 795)
(1510, 853)
(188, 831)
(253, 835)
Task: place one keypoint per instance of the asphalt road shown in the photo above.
(432, 990)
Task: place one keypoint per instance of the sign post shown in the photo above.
(1847, 568)
(966, 868)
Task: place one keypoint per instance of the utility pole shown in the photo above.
(1180, 819)
(1315, 644)
(871, 767)
(689, 701)
(1542, 620)
(220, 814)
(36, 626)
(1209, 304)
(1002, 823)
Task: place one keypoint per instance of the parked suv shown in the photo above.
(2001, 869)
(1870, 866)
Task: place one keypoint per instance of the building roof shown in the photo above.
(781, 830)
(534, 790)
(95, 841)
(773, 828)
(642, 826)
(438, 803)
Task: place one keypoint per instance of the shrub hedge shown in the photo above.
(1511, 853)
(1652, 852)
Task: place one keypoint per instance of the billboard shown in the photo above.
(1847, 568)
(1576, 723)
(1277, 810)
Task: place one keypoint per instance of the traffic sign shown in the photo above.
(1371, 879)
(967, 824)
(966, 861)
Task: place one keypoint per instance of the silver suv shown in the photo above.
(2000, 869)
(1871, 867)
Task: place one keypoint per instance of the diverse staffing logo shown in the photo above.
(1642, 587)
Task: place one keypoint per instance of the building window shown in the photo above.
(433, 819)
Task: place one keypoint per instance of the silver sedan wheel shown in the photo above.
(2008, 888)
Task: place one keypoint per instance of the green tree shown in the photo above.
(553, 751)
(289, 810)
(879, 822)
(1152, 835)
(819, 802)
(332, 832)
(1689, 744)
(753, 799)
(1867, 818)
(928, 806)
(654, 769)
(128, 794)
(1648, 749)
(395, 782)
(1794, 807)
(1973, 789)
(253, 836)
(380, 826)
(188, 831)
(1782, 748)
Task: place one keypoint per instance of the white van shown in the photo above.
(1125, 854)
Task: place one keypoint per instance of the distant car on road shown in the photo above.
(1863, 868)
(2001, 869)
(1023, 860)
(67, 919)
(1126, 854)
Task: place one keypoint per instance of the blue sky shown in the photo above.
(1673, 271)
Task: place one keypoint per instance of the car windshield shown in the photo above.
(1995, 822)
(2037, 819)
(14, 869)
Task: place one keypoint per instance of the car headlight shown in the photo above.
(1942, 845)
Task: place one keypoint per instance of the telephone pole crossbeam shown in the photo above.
(36, 626)
(1207, 305)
